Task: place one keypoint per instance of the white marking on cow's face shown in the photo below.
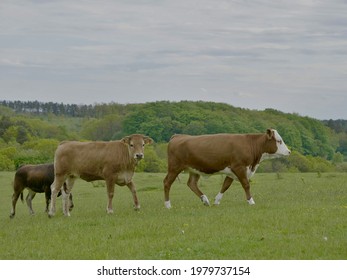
(282, 149)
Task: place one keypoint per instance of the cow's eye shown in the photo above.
(132, 145)
(279, 142)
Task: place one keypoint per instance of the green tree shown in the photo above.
(46, 147)
(300, 162)
(22, 135)
(7, 155)
(337, 158)
(151, 162)
(6, 164)
(11, 133)
(107, 128)
(342, 148)
(5, 123)
(195, 128)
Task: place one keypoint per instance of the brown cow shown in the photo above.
(235, 155)
(112, 161)
(38, 179)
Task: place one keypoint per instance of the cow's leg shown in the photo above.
(48, 197)
(110, 193)
(193, 185)
(66, 192)
(168, 181)
(29, 199)
(55, 188)
(242, 176)
(132, 188)
(15, 197)
(226, 184)
(71, 205)
(247, 187)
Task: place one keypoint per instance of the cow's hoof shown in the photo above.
(205, 200)
(251, 201)
(167, 204)
(218, 198)
(12, 216)
(137, 208)
(109, 211)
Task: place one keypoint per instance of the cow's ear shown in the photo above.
(126, 140)
(148, 140)
(270, 133)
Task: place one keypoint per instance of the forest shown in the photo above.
(30, 131)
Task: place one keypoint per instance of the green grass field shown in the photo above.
(296, 216)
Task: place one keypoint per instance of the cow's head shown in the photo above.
(276, 145)
(136, 144)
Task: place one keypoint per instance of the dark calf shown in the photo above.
(38, 179)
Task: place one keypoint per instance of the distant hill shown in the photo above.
(23, 121)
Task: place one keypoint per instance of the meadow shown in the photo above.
(296, 217)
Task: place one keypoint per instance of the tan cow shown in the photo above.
(235, 155)
(112, 161)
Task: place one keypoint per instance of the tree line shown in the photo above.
(58, 109)
(30, 131)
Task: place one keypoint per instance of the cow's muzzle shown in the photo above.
(139, 156)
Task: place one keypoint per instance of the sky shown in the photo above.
(256, 54)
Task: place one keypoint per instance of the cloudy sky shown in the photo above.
(256, 54)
